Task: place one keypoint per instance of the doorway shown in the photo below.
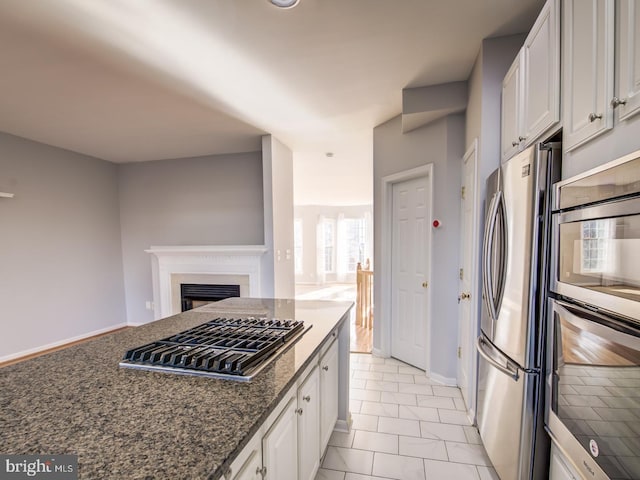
(468, 284)
(406, 254)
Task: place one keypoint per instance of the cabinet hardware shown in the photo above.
(326, 368)
(261, 471)
(616, 102)
(514, 144)
(465, 296)
(299, 411)
(425, 284)
(594, 116)
(522, 139)
(307, 398)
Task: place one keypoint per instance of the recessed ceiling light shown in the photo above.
(285, 3)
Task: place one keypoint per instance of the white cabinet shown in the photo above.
(252, 467)
(541, 74)
(531, 88)
(629, 59)
(510, 112)
(280, 446)
(328, 394)
(309, 426)
(588, 49)
(291, 441)
(591, 103)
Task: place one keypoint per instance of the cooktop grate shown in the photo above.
(234, 347)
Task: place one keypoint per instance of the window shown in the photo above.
(596, 236)
(355, 242)
(297, 245)
(328, 239)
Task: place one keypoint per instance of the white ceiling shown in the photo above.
(140, 80)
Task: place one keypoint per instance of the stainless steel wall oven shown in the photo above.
(593, 361)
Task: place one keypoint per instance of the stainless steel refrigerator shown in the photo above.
(514, 286)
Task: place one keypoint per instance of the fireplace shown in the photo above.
(194, 295)
(173, 266)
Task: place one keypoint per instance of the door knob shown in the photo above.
(616, 102)
(425, 284)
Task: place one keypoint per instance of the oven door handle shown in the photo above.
(508, 369)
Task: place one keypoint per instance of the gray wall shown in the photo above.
(60, 257)
(440, 143)
(211, 200)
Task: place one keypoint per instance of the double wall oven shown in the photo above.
(593, 361)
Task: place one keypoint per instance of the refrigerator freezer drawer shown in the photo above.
(506, 414)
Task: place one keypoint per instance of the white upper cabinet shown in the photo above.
(629, 59)
(531, 87)
(510, 113)
(541, 68)
(587, 69)
(601, 67)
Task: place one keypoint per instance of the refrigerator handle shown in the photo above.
(508, 370)
(487, 274)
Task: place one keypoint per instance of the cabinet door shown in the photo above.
(280, 446)
(541, 66)
(510, 111)
(251, 468)
(629, 59)
(328, 394)
(588, 52)
(309, 426)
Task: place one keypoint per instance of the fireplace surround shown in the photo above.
(173, 266)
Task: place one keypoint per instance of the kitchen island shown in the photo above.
(136, 424)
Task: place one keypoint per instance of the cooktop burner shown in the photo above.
(224, 347)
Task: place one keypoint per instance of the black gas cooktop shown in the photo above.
(235, 348)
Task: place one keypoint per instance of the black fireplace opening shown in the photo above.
(194, 295)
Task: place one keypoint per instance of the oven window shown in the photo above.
(602, 255)
(596, 391)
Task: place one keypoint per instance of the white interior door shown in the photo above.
(466, 295)
(410, 270)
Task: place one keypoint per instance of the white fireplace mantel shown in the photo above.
(201, 260)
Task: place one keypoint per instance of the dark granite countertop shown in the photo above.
(134, 424)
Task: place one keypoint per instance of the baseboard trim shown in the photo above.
(447, 381)
(344, 426)
(32, 352)
(379, 353)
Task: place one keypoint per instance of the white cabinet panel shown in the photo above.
(588, 52)
(510, 112)
(531, 87)
(541, 86)
(629, 58)
(328, 394)
(280, 446)
(309, 426)
(252, 468)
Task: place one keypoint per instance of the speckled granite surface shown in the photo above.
(132, 424)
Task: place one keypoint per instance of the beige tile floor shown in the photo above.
(405, 427)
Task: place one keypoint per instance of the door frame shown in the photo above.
(385, 266)
(472, 356)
